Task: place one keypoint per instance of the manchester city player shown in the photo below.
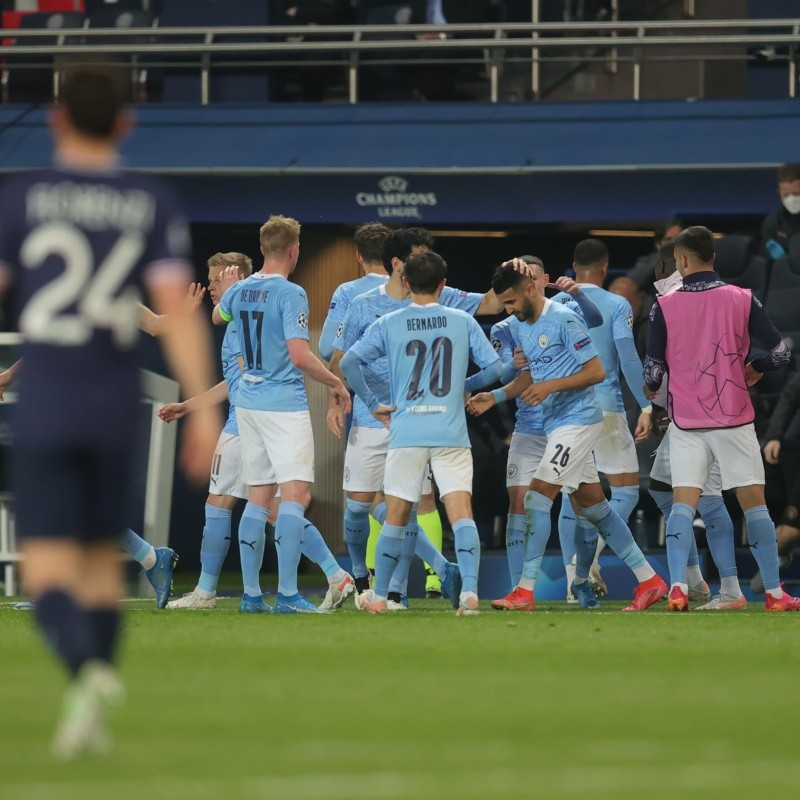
(615, 451)
(369, 239)
(564, 367)
(367, 444)
(277, 441)
(80, 240)
(427, 348)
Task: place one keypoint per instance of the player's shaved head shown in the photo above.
(590, 254)
(665, 260)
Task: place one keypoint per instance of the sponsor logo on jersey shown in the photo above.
(393, 200)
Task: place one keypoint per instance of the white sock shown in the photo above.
(464, 596)
(526, 583)
(693, 575)
(149, 561)
(203, 593)
(337, 577)
(776, 593)
(644, 573)
(730, 586)
(570, 570)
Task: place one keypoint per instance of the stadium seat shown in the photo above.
(739, 262)
(33, 79)
(240, 84)
(94, 7)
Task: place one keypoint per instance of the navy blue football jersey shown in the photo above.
(79, 247)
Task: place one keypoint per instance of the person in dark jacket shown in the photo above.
(779, 226)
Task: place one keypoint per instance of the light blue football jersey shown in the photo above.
(428, 350)
(343, 296)
(269, 310)
(231, 373)
(617, 324)
(529, 418)
(557, 345)
(363, 311)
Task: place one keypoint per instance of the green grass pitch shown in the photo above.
(555, 704)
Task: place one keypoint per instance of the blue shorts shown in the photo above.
(78, 492)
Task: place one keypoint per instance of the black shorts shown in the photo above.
(72, 492)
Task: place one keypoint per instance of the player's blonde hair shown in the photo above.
(278, 234)
(223, 260)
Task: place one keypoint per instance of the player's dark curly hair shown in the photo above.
(398, 244)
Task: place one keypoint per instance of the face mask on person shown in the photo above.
(668, 285)
(791, 203)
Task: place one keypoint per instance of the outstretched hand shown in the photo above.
(480, 403)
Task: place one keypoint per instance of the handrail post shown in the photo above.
(205, 73)
(793, 64)
(535, 69)
(352, 72)
(637, 68)
(613, 62)
(494, 69)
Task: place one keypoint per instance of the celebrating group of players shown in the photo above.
(403, 340)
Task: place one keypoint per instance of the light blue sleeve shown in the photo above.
(632, 369)
(293, 306)
(577, 339)
(347, 332)
(456, 298)
(591, 313)
(369, 348)
(336, 313)
(622, 321)
(484, 355)
(226, 302)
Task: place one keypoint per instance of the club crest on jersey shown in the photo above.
(302, 320)
(543, 341)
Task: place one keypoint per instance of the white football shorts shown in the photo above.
(568, 459)
(277, 446)
(615, 451)
(226, 468)
(662, 471)
(735, 450)
(407, 469)
(524, 456)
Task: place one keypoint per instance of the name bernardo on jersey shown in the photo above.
(426, 323)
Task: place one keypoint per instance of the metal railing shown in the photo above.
(216, 48)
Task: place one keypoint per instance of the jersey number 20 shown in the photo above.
(441, 355)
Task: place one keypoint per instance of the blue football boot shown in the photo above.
(586, 599)
(451, 583)
(160, 574)
(253, 605)
(296, 604)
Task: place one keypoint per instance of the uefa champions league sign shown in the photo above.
(394, 201)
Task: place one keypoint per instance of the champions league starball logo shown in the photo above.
(394, 201)
(723, 399)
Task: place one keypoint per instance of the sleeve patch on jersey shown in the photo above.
(340, 330)
(630, 320)
(332, 306)
(583, 343)
(302, 320)
(497, 344)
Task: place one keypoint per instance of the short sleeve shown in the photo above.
(622, 320)
(294, 313)
(338, 306)
(456, 298)
(577, 339)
